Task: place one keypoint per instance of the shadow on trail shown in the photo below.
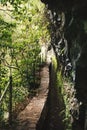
(53, 120)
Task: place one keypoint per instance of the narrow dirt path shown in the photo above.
(28, 118)
(47, 95)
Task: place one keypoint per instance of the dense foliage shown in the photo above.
(23, 29)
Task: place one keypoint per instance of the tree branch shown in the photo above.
(7, 13)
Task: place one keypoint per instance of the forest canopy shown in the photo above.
(23, 29)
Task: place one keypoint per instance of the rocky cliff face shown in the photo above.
(77, 5)
(68, 20)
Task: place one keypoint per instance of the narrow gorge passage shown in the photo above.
(53, 120)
